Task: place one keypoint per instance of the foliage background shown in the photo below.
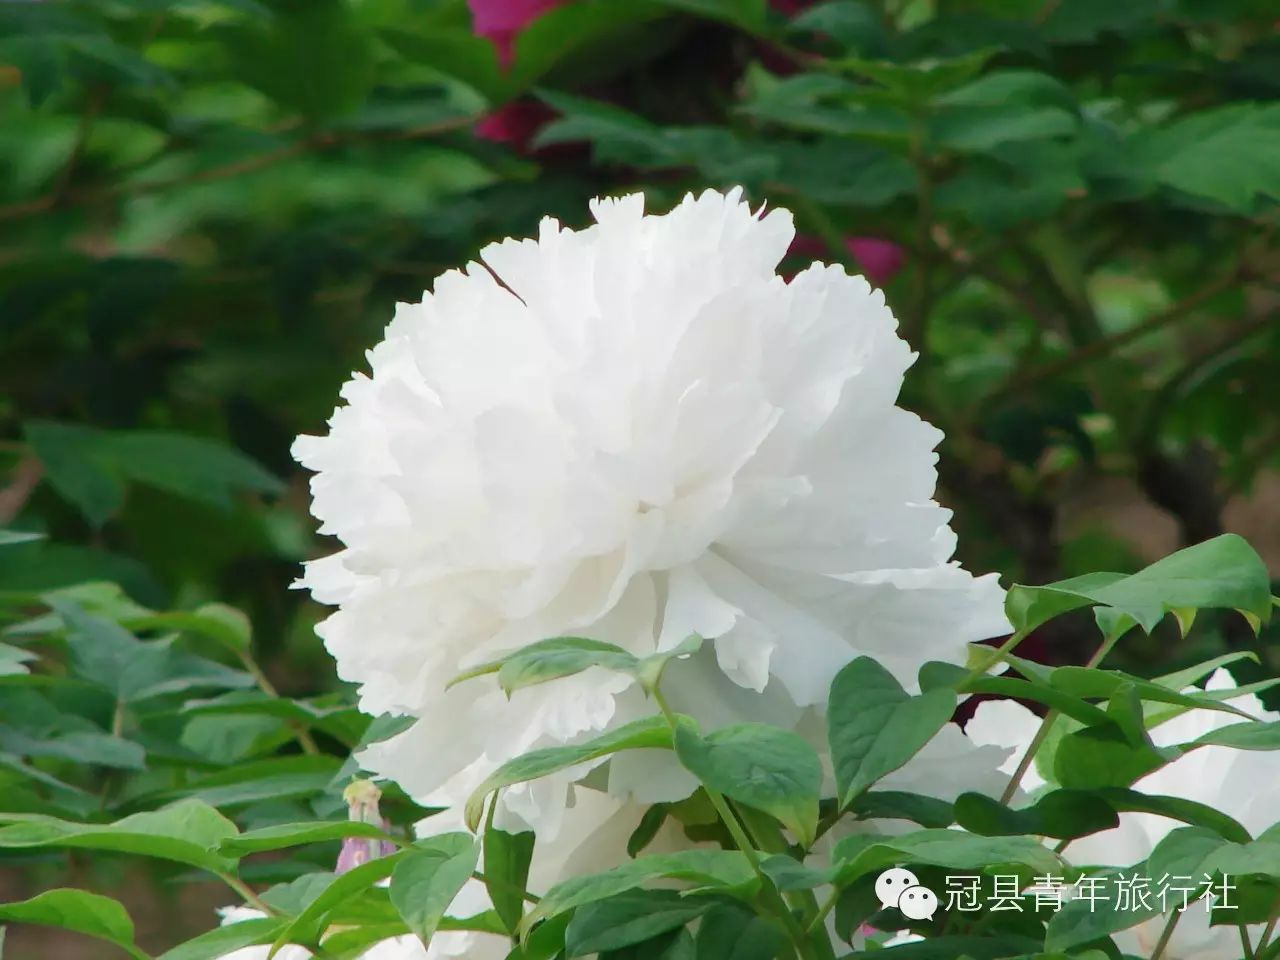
(208, 208)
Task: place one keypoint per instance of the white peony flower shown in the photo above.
(1244, 784)
(633, 432)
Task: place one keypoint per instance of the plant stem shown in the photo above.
(246, 892)
(826, 908)
(300, 733)
(117, 718)
(1043, 732)
(1268, 931)
(316, 143)
(998, 655)
(769, 892)
(487, 881)
(1165, 935)
(1245, 944)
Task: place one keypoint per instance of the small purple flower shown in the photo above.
(362, 798)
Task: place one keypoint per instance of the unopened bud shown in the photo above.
(362, 798)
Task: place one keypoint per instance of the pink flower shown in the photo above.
(879, 259)
(362, 798)
(515, 123)
(502, 20)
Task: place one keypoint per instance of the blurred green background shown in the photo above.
(209, 207)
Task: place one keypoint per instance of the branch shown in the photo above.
(316, 143)
(26, 477)
(1106, 345)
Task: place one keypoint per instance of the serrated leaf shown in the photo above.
(1223, 573)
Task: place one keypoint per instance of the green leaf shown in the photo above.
(629, 918)
(1092, 682)
(430, 875)
(1175, 808)
(1182, 851)
(1223, 573)
(898, 805)
(1106, 756)
(78, 468)
(506, 871)
(1228, 154)
(12, 537)
(297, 834)
(312, 56)
(1082, 921)
(730, 932)
(923, 81)
(186, 832)
(650, 732)
(855, 857)
(875, 727)
(725, 871)
(218, 621)
(748, 15)
(1061, 814)
(1253, 735)
(325, 892)
(773, 770)
(78, 910)
(86, 747)
(275, 778)
(89, 467)
(998, 947)
(106, 654)
(787, 873)
(1181, 679)
(550, 660)
(980, 128)
(650, 823)
(223, 941)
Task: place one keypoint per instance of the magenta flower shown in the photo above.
(502, 20)
(879, 259)
(515, 123)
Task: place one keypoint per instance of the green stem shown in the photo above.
(1265, 940)
(246, 893)
(300, 733)
(1043, 732)
(770, 893)
(996, 657)
(117, 719)
(830, 904)
(1166, 935)
(510, 887)
(1245, 944)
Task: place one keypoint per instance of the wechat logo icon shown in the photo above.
(901, 889)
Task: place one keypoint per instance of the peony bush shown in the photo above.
(658, 652)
